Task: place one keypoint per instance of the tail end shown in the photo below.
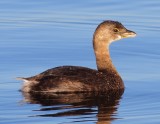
(26, 87)
(22, 78)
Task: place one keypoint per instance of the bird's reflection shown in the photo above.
(103, 105)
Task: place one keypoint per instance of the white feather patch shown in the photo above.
(27, 84)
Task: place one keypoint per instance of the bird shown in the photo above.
(72, 79)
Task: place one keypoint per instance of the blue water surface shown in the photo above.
(37, 35)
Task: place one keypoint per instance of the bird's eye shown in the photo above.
(116, 30)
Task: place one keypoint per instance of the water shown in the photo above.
(37, 35)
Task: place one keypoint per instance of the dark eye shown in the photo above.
(116, 30)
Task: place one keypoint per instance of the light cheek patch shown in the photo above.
(119, 37)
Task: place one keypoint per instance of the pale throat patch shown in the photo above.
(119, 37)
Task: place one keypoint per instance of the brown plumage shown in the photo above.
(82, 79)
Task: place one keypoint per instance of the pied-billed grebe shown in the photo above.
(82, 79)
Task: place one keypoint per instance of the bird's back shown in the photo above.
(73, 79)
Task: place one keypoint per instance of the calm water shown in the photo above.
(37, 35)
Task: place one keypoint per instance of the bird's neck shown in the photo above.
(103, 59)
